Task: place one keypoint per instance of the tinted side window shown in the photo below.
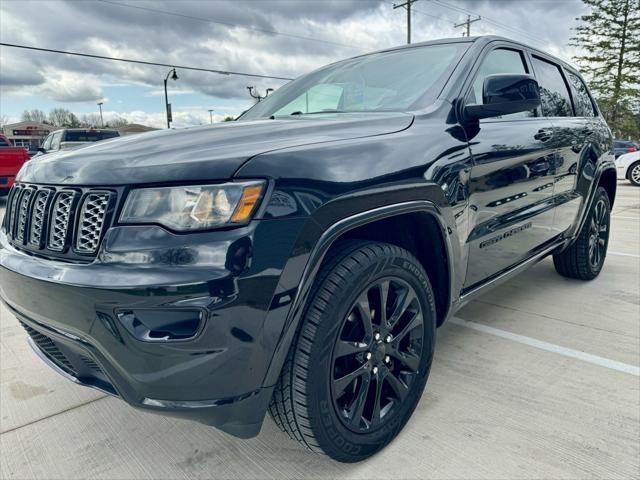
(500, 60)
(556, 101)
(584, 107)
(3, 143)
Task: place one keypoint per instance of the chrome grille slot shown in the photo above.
(23, 210)
(9, 217)
(39, 212)
(60, 221)
(91, 221)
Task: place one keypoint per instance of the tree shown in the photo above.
(90, 120)
(61, 117)
(4, 120)
(34, 115)
(228, 118)
(610, 39)
(117, 122)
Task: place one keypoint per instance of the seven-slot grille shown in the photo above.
(58, 221)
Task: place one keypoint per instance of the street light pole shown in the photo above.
(174, 76)
(211, 116)
(101, 120)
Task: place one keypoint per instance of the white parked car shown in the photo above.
(628, 167)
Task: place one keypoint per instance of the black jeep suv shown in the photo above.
(300, 259)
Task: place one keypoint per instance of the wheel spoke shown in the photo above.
(344, 348)
(402, 303)
(415, 322)
(412, 362)
(341, 384)
(357, 407)
(383, 292)
(375, 416)
(398, 386)
(364, 310)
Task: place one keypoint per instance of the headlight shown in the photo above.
(195, 207)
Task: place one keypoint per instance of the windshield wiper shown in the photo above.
(299, 113)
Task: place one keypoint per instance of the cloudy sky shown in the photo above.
(283, 38)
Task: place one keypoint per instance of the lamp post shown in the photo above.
(101, 120)
(174, 76)
(211, 116)
(253, 92)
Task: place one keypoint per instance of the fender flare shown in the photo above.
(317, 256)
(593, 187)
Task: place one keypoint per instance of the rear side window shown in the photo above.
(584, 107)
(89, 135)
(554, 94)
(3, 143)
(500, 60)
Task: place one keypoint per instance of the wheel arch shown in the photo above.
(608, 180)
(430, 220)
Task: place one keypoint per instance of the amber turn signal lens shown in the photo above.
(250, 197)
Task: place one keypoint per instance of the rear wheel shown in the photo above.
(585, 258)
(634, 174)
(361, 359)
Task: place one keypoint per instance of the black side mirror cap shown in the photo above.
(504, 94)
(42, 150)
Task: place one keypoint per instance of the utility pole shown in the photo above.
(407, 5)
(211, 116)
(467, 24)
(253, 92)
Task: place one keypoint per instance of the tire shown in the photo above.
(584, 259)
(634, 174)
(316, 398)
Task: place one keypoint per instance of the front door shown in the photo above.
(511, 185)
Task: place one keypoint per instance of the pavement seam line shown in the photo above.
(32, 422)
(550, 347)
(634, 255)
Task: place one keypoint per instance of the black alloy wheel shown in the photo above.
(377, 355)
(599, 234)
(585, 257)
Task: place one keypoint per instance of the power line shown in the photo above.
(229, 24)
(488, 20)
(142, 62)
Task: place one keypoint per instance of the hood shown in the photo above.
(200, 153)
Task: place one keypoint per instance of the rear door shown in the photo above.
(566, 102)
(511, 179)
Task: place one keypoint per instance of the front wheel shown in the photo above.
(584, 259)
(634, 174)
(361, 359)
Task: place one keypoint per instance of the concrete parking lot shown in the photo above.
(536, 379)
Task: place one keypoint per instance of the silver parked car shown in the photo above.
(67, 138)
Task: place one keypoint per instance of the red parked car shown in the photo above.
(11, 160)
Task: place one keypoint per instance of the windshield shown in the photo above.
(89, 135)
(386, 81)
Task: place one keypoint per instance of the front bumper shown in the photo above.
(71, 312)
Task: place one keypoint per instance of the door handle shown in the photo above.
(544, 134)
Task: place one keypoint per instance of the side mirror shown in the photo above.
(504, 94)
(42, 150)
